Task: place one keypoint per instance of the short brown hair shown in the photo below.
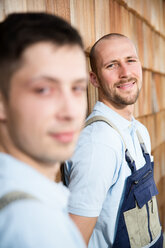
(20, 30)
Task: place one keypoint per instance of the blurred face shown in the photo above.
(47, 103)
(119, 73)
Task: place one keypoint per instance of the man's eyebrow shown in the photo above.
(132, 57)
(55, 80)
(111, 61)
(47, 78)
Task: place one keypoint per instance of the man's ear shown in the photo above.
(2, 107)
(93, 79)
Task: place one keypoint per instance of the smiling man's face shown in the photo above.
(119, 71)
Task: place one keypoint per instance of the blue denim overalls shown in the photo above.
(138, 224)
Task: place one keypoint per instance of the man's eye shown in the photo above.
(79, 88)
(110, 65)
(43, 90)
(132, 60)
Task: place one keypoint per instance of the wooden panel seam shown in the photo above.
(134, 12)
(150, 114)
(157, 147)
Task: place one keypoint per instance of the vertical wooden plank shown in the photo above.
(157, 168)
(112, 16)
(115, 16)
(162, 54)
(159, 174)
(162, 126)
(155, 104)
(92, 93)
(2, 10)
(50, 7)
(149, 47)
(151, 126)
(145, 97)
(163, 16)
(125, 20)
(162, 92)
(158, 127)
(59, 7)
(154, 14)
(157, 51)
(140, 40)
(117, 19)
(145, 45)
(15, 6)
(157, 86)
(102, 18)
(86, 25)
(36, 6)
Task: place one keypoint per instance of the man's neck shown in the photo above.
(49, 171)
(124, 111)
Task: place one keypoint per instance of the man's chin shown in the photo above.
(126, 101)
(66, 154)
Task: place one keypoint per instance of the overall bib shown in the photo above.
(138, 224)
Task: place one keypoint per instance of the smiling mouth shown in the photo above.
(126, 85)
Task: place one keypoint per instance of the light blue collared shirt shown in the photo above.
(99, 171)
(41, 223)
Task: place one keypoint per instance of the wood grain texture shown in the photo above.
(36, 6)
(2, 10)
(159, 175)
(92, 93)
(151, 10)
(59, 7)
(143, 106)
(14, 6)
(83, 18)
(102, 18)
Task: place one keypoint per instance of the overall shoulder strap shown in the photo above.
(14, 196)
(129, 159)
(143, 146)
(102, 118)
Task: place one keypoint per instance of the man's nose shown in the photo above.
(67, 110)
(124, 71)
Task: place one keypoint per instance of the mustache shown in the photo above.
(123, 81)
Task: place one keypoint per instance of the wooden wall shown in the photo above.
(144, 22)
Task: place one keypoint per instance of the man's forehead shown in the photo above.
(44, 61)
(114, 42)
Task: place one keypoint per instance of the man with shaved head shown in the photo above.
(110, 175)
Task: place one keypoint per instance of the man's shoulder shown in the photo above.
(34, 223)
(23, 211)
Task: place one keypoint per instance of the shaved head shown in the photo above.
(93, 51)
